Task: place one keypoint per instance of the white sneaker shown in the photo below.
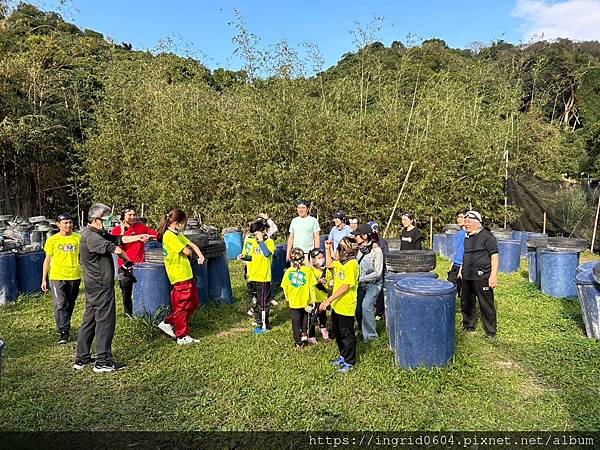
(250, 312)
(312, 341)
(187, 340)
(167, 328)
(274, 302)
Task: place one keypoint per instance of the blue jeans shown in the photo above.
(365, 309)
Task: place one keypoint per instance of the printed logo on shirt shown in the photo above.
(69, 248)
(485, 288)
(407, 239)
(342, 276)
(247, 247)
(479, 272)
(297, 279)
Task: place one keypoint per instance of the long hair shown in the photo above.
(176, 215)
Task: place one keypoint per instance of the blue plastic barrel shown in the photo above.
(8, 277)
(234, 243)
(450, 246)
(588, 292)
(278, 265)
(29, 272)
(219, 282)
(389, 296)
(586, 266)
(557, 270)
(152, 244)
(509, 253)
(152, 292)
(425, 316)
(438, 242)
(525, 235)
(517, 235)
(201, 276)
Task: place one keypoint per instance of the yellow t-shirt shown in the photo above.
(299, 286)
(177, 264)
(320, 295)
(259, 269)
(346, 274)
(64, 251)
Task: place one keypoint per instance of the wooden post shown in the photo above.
(142, 210)
(398, 199)
(544, 229)
(431, 233)
(595, 225)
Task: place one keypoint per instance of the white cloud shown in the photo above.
(573, 19)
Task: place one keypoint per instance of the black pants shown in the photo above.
(479, 289)
(453, 278)
(343, 328)
(321, 321)
(299, 323)
(99, 321)
(263, 302)
(64, 294)
(126, 284)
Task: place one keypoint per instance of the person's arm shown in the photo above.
(272, 227)
(419, 240)
(261, 243)
(150, 232)
(45, 270)
(337, 294)
(377, 267)
(197, 251)
(317, 239)
(493, 281)
(328, 254)
(290, 243)
(121, 254)
(135, 238)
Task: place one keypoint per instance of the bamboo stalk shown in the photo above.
(431, 233)
(398, 199)
(595, 225)
(544, 229)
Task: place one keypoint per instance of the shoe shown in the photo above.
(167, 328)
(377, 317)
(325, 334)
(490, 336)
(312, 341)
(304, 338)
(298, 346)
(82, 364)
(274, 302)
(64, 337)
(261, 330)
(187, 340)
(469, 330)
(344, 368)
(250, 312)
(112, 367)
(338, 362)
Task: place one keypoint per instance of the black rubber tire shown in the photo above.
(394, 243)
(501, 230)
(214, 249)
(502, 234)
(155, 256)
(6, 218)
(572, 244)
(596, 273)
(200, 239)
(410, 261)
(451, 227)
(537, 242)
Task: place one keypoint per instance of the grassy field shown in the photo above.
(540, 373)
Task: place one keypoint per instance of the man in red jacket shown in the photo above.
(134, 250)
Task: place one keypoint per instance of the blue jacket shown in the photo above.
(460, 247)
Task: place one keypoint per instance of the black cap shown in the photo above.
(339, 214)
(363, 228)
(63, 216)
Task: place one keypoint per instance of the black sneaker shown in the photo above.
(108, 367)
(64, 337)
(82, 364)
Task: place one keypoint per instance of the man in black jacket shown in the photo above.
(479, 275)
(99, 319)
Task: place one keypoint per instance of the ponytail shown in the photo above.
(176, 215)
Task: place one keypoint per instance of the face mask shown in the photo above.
(107, 223)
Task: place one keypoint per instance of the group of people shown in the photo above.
(345, 279)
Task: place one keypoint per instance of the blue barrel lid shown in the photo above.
(562, 252)
(585, 278)
(401, 275)
(587, 266)
(148, 265)
(509, 241)
(425, 286)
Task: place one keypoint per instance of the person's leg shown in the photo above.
(304, 324)
(467, 304)
(59, 291)
(192, 305)
(348, 339)
(181, 300)
(86, 330)
(323, 325)
(73, 293)
(453, 278)
(264, 303)
(335, 328)
(106, 319)
(380, 302)
(296, 325)
(368, 326)
(485, 294)
(126, 284)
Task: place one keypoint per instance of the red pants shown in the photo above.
(184, 298)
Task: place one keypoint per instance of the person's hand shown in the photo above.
(493, 281)
(239, 257)
(328, 244)
(324, 305)
(322, 280)
(144, 237)
(44, 286)
(264, 216)
(201, 259)
(459, 272)
(259, 236)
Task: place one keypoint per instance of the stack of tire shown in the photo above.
(410, 261)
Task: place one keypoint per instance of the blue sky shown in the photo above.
(204, 29)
